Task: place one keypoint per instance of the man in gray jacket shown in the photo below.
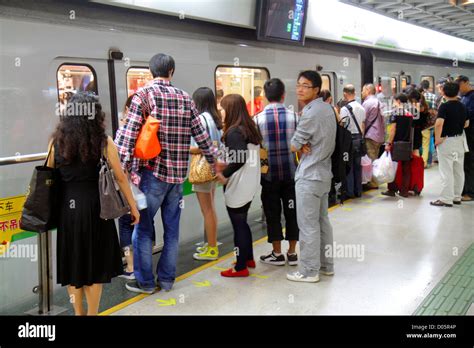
(315, 136)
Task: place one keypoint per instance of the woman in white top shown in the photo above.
(241, 177)
(205, 102)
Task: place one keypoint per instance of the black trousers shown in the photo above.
(469, 163)
(242, 235)
(274, 194)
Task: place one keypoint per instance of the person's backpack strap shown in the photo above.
(351, 111)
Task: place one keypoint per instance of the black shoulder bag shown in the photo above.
(358, 140)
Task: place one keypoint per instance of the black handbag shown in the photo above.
(358, 141)
(39, 210)
(402, 150)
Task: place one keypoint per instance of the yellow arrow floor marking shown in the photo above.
(219, 268)
(202, 284)
(258, 276)
(169, 302)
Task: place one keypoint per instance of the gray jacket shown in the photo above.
(316, 126)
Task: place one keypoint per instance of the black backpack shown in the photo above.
(342, 155)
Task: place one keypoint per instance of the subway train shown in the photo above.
(49, 54)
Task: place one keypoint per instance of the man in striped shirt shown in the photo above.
(162, 176)
(277, 125)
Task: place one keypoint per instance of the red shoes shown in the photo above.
(250, 263)
(230, 273)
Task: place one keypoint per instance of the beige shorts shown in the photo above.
(205, 188)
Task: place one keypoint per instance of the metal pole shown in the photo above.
(44, 305)
(45, 279)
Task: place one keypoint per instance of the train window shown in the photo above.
(431, 80)
(73, 78)
(394, 86)
(405, 80)
(326, 82)
(137, 77)
(246, 81)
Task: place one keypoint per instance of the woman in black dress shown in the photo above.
(88, 252)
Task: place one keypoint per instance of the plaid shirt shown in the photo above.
(430, 99)
(179, 120)
(277, 125)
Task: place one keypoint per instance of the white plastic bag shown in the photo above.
(139, 197)
(366, 164)
(384, 169)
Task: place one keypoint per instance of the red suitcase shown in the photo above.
(417, 179)
(417, 173)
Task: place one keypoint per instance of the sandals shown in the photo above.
(439, 203)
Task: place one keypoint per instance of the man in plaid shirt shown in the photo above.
(277, 125)
(161, 177)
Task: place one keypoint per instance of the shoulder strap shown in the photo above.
(49, 154)
(207, 125)
(104, 150)
(348, 107)
(375, 119)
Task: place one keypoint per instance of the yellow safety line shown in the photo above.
(135, 299)
(181, 277)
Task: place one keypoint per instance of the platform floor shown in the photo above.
(396, 252)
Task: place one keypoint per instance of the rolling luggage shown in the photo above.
(417, 179)
(417, 173)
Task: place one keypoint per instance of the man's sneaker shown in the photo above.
(272, 259)
(127, 275)
(202, 248)
(298, 277)
(133, 286)
(292, 259)
(210, 253)
(326, 271)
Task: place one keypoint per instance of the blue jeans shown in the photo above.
(168, 197)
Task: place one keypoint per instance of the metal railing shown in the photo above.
(5, 161)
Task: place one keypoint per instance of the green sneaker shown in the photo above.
(211, 253)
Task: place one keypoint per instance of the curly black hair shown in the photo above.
(80, 133)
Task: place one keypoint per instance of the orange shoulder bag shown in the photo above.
(147, 145)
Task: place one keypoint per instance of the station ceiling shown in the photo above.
(452, 17)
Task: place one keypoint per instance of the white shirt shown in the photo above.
(244, 183)
(359, 113)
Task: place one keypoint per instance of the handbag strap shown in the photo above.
(207, 125)
(348, 107)
(49, 154)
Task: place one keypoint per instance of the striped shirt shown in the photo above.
(179, 120)
(278, 125)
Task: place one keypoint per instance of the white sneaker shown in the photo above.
(298, 277)
(202, 248)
